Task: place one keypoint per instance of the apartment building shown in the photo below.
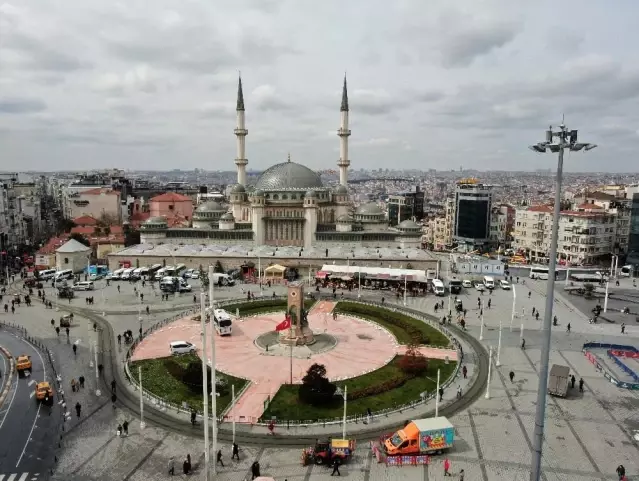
(585, 236)
(613, 201)
(502, 222)
(97, 202)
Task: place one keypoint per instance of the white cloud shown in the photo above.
(443, 80)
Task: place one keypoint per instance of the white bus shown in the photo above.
(117, 274)
(489, 282)
(222, 322)
(160, 274)
(179, 269)
(169, 271)
(48, 274)
(625, 271)
(438, 287)
(539, 273)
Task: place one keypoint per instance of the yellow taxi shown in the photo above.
(44, 392)
(23, 363)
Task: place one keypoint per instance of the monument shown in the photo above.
(299, 333)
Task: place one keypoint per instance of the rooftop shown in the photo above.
(252, 253)
(170, 197)
(540, 208)
(100, 191)
(85, 220)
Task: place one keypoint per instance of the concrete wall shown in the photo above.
(76, 261)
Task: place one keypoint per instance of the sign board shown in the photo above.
(42, 260)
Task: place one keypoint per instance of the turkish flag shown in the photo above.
(285, 324)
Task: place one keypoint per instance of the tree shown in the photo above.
(80, 238)
(588, 289)
(204, 276)
(413, 362)
(316, 389)
(218, 267)
(107, 230)
(97, 231)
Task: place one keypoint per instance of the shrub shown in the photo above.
(380, 388)
(413, 362)
(174, 369)
(316, 389)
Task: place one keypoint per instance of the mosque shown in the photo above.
(288, 206)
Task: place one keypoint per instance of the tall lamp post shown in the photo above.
(512, 314)
(205, 389)
(613, 262)
(556, 142)
(213, 373)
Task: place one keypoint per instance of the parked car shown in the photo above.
(195, 275)
(83, 286)
(505, 285)
(467, 284)
(480, 286)
(181, 347)
(188, 273)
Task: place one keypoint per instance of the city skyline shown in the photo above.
(87, 87)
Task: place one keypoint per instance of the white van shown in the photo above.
(64, 274)
(438, 287)
(83, 286)
(181, 347)
(505, 285)
(126, 275)
(222, 321)
(489, 282)
(223, 279)
(117, 274)
(46, 274)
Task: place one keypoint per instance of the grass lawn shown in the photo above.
(262, 306)
(286, 405)
(403, 327)
(157, 380)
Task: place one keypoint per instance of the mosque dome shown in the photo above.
(340, 190)
(310, 193)
(369, 209)
(211, 206)
(238, 189)
(288, 176)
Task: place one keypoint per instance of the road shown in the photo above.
(28, 431)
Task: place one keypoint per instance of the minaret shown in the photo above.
(343, 134)
(241, 133)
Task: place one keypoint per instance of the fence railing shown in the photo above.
(163, 404)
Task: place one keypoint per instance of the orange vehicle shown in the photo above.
(421, 436)
(23, 363)
(327, 452)
(44, 392)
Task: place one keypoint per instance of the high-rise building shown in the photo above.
(406, 206)
(473, 203)
(633, 240)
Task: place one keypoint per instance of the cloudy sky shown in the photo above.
(432, 84)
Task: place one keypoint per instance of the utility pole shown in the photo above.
(205, 387)
(213, 374)
(512, 314)
(556, 142)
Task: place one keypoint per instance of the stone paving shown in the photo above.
(587, 434)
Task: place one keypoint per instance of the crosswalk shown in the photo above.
(20, 477)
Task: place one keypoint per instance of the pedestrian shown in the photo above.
(78, 408)
(119, 430)
(529, 293)
(219, 458)
(572, 381)
(336, 467)
(113, 399)
(67, 331)
(236, 452)
(489, 303)
(537, 315)
(369, 415)
(255, 470)
(568, 328)
(623, 327)
(57, 330)
(100, 368)
(113, 386)
(533, 311)
(119, 339)
(142, 298)
(147, 310)
(581, 385)
(125, 428)
(621, 471)
(465, 371)
(459, 392)
(52, 323)
(185, 464)
(75, 349)
(511, 375)
(81, 379)
(73, 385)
(171, 466)
(447, 467)
(461, 475)
(271, 428)
(523, 344)
(118, 289)
(441, 394)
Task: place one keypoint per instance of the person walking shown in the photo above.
(441, 394)
(75, 349)
(621, 472)
(572, 381)
(73, 385)
(511, 375)
(465, 371)
(523, 344)
(461, 475)
(336, 467)
(125, 428)
(113, 399)
(447, 467)
(219, 458)
(119, 339)
(171, 466)
(236, 452)
(581, 385)
(255, 470)
(113, 386)
(568, 328)
(78, 408)
(193, 416)
(67, 331)
(459, 392)
(81, 379)
(57, 329)
(623, 327)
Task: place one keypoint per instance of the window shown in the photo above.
(66, 260)
(171, 207)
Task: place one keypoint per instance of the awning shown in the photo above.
(321, 275)
(275, 268)
(347, 278)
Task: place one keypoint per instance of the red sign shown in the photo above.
(630, 354)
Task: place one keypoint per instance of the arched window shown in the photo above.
(66, 260)
(276, 197)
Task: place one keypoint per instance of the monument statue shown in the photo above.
(299, 333)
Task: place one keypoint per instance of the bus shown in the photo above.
(169, 271)
(179, 269)
(153, 269)
(539, 273)
(626, 271)
(489, 282)
(455, 286)
(438, 287)
(159, 274)
(126, 275)
(222, 322)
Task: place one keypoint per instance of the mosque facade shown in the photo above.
(288, 206)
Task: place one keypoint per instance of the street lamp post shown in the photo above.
(512, 314)
(437, 396)
(610, 277)
(142, 423)
(481, 329)
(213, 372)
(205, 388)
(259, 273)
(498, 363)
(556, 142)
(344, 417)
(490, 364)
(405, 287)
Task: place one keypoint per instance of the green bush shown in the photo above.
(316, 389)
(406, 329)
(264, 305)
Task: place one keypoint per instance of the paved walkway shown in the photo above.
(361, 347)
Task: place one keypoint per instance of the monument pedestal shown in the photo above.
(299, 333)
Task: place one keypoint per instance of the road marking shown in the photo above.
(31, 383)
(32, 394)
(44, 378)
(15, 390)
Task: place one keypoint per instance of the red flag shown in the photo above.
(285, 324)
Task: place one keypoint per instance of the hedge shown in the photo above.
(261, 306)
(406, 329)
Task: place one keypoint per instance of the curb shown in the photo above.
(7, 386)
